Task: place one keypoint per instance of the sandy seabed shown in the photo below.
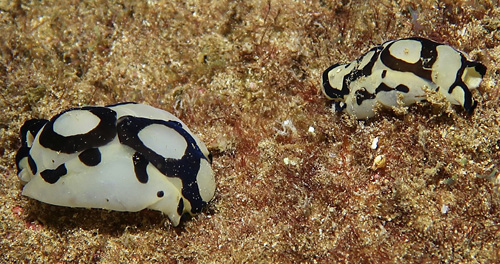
(294, 180)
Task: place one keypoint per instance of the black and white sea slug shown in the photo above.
(124, 157)
(398, 73)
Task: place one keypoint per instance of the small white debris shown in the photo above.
(288, 161)
(444, 209)
(379, 162)
(286, 126)
(311, 130)
(374, 143)
(289, 124)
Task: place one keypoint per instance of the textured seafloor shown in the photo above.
(245, 76)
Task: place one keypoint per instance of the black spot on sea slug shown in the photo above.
(52, 176)
(90, 157)
(180, 207)
(402, 88)
(32, 164)
(383, 88)
(140, 165)
(362, 95)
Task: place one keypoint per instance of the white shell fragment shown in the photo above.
(379, 162)
(398, 73)
(374, 143)
(124, 157)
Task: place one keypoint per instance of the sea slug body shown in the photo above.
(123, 157)
(398, 73)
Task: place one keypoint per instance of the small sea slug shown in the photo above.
(399, 73)
(123, 157)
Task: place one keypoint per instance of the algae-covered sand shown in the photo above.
(294, 180)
